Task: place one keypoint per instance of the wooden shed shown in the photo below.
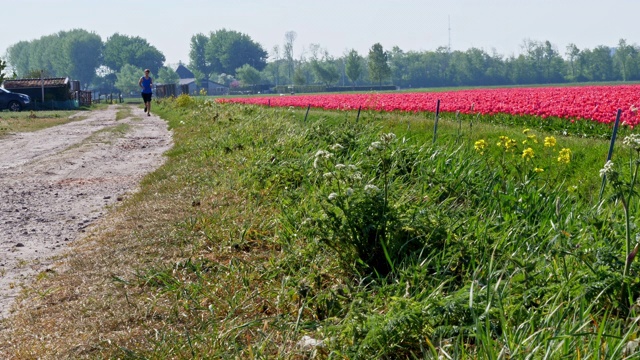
(55, 89)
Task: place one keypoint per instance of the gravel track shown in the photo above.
(57, 182)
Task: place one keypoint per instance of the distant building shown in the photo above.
(188, 85)
(184, 73)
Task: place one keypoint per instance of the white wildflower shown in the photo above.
(340, 166)
(349, 191)
(388, 138)
(632, 141)
(369, 188)
(336, 147)
(607, 170)
(328, 175)
(376, 145)
(332, 196)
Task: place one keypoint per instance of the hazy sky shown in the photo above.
(336, 25)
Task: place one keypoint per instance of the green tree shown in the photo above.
(598, 64)
(76, 54)
(120, 50)
(3, 65)
(82, 51)
(197, 54)
(624, 58)
(228, 50)
(289, 40)
(572, 53)
(127, 79)
(379, 69)
(167, 76)
(248, 75)
(353, 66)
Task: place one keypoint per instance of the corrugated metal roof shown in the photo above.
(31, 83)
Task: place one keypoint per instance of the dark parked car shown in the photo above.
(13, 101)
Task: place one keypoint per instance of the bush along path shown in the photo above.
(265, 235)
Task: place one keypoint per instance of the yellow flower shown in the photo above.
(532, 138)
(538, 170)
(527, 153)
(564, 156)
(510, 144)
(480, 145)
(525, 131)
(503, 140)
(549, 141)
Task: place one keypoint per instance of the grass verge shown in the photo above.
(268, 236)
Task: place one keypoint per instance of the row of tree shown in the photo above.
(538, 63)
(83, 56)
(226, 55)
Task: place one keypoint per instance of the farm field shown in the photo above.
(572, 103)
(276, 233)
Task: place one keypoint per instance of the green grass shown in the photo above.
(263, 228)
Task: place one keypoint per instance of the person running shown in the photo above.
(145, 83)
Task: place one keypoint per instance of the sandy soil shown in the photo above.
(57, 182)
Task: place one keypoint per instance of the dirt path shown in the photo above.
(56, 182)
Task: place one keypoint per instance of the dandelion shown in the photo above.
(480, 145)
(538, 170)
(332, 196)
(564, 157)
(527, 153)
(549, 141)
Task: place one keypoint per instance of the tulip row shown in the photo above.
(597, 103)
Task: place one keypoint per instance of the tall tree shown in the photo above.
(379, 69)
(289, 39)
(120, 50)
(3, 65)
(228, 50)
(572, 53)
(248, 75)
(623, 58)
(197, 54)
(353, 66)
(84, 50)
(127, 79)
(167, 76)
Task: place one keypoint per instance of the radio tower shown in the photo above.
(449, 17)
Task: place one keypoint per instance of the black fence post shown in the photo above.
(307, 114)
(358, 117)
(435, 126)
(610, 154)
